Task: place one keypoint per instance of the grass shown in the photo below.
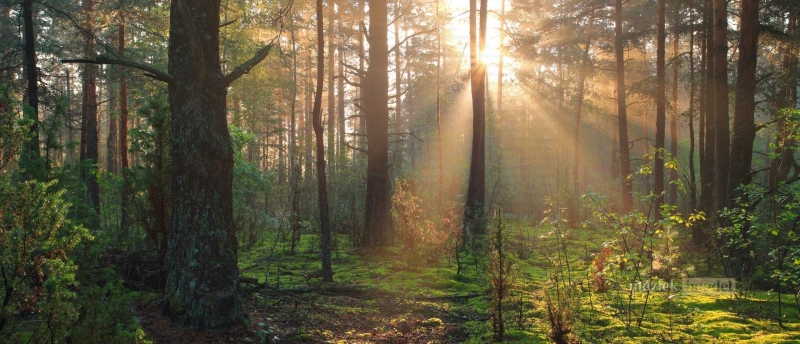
(704, 317)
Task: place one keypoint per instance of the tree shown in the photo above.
(476, 190)
(376, 108)
(744, 129)
(89, 142)
(721, 119)
(31, 70)
(203, 276)
(661, 106)
(622, 105)
(322, 185)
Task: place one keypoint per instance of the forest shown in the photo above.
(399, 171)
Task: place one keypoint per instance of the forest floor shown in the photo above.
(391, 296)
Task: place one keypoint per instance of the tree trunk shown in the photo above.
(439, 58)
(322, 185)
(294, 172)
(661, 108)
(673, 123)
(476, 191)
(331, 86)
(123, 126)
(721, 119)
(31, 71)
(89, 111)
(341, 112)
(744, 128)
(111, 136)
(622, 117)
(692, 174)
(376, 100)
(398, 78)
(576, 139)
(707, 177)
(203, 283)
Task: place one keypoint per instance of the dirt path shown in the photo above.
(318, 318)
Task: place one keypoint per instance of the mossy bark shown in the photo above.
(203, 284)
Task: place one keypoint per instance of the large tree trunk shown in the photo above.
(476, 190)
(376, 105)
(721, 119)
(322, 181)
(89, 111)
(744, 128)
(294, 172)
(203, 283)
(622, 116)
(340, 148)
(31, 71)
(661, 108)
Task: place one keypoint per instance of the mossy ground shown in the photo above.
(388, 312)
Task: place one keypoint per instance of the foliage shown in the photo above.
(38, 273)
(420, 238)
(12, 129)
(500, 272)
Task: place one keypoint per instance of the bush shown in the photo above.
(38, 275)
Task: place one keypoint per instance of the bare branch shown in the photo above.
(149, 71)
(245, 67)
(407, 38)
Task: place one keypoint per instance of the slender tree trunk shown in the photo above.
(707, 167)
(673, 123)
(376, 100)
(476, 191)
(502, 38)
(622, 116)
(692, 86)
(439, 58)
(744, 112)
(331, 85)
(721, 119)
(576, 139)
(661, 107)
(31, 71)
(322, 187)
(341, 110)
(89, 112)
(111, 137)
(294, 172)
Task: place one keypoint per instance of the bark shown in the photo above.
(111, 137)
(661, 108)
(744, 128)
(31, 71)
(203, 275)
(331, 86)
(398, 78)
(376, 100)
(501, 34)
(622, 116)
(439, 58)
(692, 87)
(673, 124)
(294, 173)
(476, 190)
(322, 186)
(576, 139)
(340, 111)
(707, 177)
(89, 112)
(721, 119)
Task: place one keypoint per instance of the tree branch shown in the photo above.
(245, 67)
(407, 38)
(149, 71)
